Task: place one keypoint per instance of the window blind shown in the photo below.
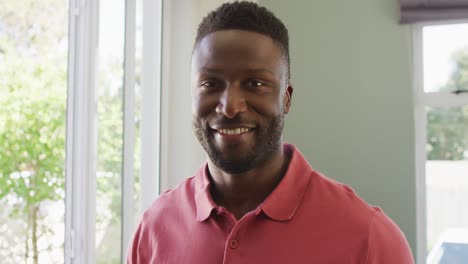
(432, 10)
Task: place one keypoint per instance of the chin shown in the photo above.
(233, 166)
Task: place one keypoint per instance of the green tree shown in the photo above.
(32, 132)
(32, 117)
(447, 137)
(33, 50)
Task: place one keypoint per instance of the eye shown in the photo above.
(208, 83)
(255, 83)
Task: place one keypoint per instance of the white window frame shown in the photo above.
(150, 116)
(81, 142)
(151, 102)
(128, 160)
(80, 165)
(422, 100)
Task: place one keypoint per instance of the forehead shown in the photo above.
(236, 48)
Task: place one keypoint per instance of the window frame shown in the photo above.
(422, 100)
(128, 178)
(81, 135)
(151, 102)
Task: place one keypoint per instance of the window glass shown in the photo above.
(444, 48)
(110, 94)
(137, 153)
(446, 171)
(33, 89)
(445, 58)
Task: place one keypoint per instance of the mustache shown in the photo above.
(227, 122)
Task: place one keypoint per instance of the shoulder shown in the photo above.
(325, 194)
(385, 241)
(339, 197)
(157, 222)
(172, 203)
(354, 219)
(170, 215)
(387, 244)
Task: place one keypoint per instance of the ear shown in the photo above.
(287, 98)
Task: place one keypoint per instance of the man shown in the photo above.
(256, 200)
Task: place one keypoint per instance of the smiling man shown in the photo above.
(256, 199)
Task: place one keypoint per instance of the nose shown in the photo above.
(232, 102)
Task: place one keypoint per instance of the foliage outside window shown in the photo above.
(33, 89)
(33, 64)
(445, 75)
(447, 127)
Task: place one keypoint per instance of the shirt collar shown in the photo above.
(283, 202)
(203, 200)
(280, 205)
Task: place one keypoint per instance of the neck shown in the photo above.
(242, 193)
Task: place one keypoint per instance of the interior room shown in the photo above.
(96, 116)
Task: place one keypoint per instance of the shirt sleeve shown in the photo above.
(136, 249)
(387, 244)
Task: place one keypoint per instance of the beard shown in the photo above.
(267, 140)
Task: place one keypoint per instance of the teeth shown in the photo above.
(234, 131)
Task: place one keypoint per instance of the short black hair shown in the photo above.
(247, 16)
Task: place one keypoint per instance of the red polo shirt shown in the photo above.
(308, 218)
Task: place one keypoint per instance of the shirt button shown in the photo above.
(233, 244)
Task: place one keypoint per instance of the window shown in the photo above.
(113, 74)
(441, 76)
(110, 101)
(79, 96)
(33, 89)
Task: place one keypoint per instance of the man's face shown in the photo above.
(240, 93)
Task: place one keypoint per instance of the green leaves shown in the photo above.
(447, 136)
(32, 130)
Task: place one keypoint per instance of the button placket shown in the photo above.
(233, 243)
(233, 240)
(232, 246)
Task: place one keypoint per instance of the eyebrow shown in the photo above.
(210, 70)
(220, 71)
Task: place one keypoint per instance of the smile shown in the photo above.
(234, 131)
